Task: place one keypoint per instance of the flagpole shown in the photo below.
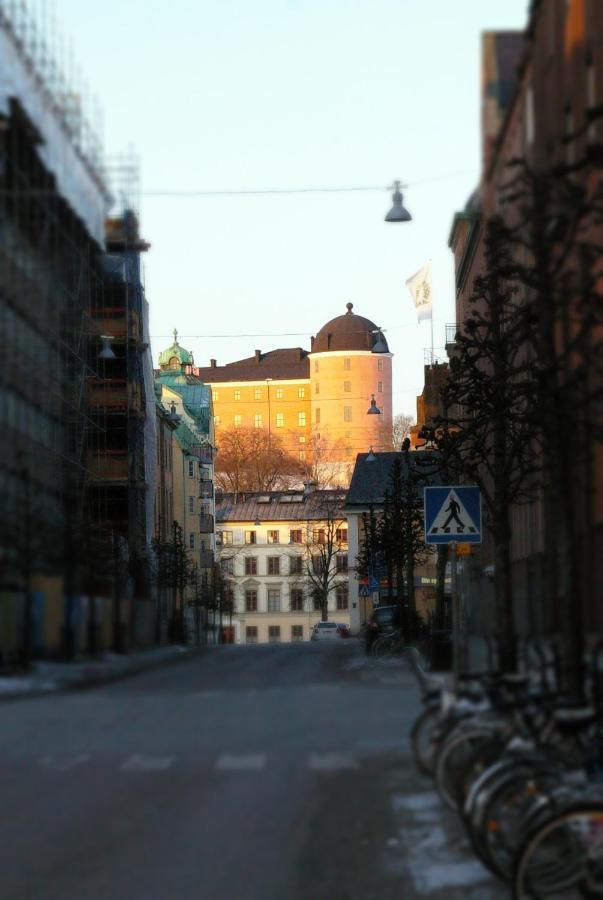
(431, 321)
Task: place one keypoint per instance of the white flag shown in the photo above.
(419, 286)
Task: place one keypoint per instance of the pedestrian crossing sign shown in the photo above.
(453, 514)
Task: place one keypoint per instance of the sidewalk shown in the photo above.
(49, 677)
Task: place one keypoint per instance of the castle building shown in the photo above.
(317, 402)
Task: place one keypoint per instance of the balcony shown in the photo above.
(206, 559)
(206, 523)
(452, 330)
(206, 489)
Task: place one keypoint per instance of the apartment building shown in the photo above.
(283, 555)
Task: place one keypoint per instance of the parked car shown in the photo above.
(343, 629)
(384, 620)
(326, 631)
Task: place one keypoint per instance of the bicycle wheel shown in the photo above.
(422, 739)
(452, 759)
(382, 648)
(563, 856)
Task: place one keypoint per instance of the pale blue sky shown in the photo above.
(292, 93)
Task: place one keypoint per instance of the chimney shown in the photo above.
(213, 363)
(258, 354)
(309, 487)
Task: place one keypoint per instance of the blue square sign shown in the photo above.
(453, 514)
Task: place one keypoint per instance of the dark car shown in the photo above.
(384, 620)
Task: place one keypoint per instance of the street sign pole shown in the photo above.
(456, 629)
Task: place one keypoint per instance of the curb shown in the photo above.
(92, 680)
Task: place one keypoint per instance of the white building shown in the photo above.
(275, 549)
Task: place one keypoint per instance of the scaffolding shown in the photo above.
(74, 453)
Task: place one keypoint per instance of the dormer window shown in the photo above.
(174, 363)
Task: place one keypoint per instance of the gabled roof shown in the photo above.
(277, 506)
(372, 477)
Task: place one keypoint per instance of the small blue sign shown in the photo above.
(373, 583)
(453, 514)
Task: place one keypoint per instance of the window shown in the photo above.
(251, 565)
(225, 537)
(215, 395)
(347, 363)
(341, 535)
(297, 632)
(279, 393)
(379, 387)
(302, 439)
(191, 468)
(227, 566)
(274, 634)
(318, 417)
(297, 600)
(191, 540)
(301, 393)
(251, 537)
(257, 394)
(380, 365)
(347, 386)
(319, 536)
(316, 604)
(251, 601)
(295, 536)
(301, 419)
(251, 634)
(258, 420)
(348, 451)
(191, 504)
(296, 565)
(237, 395)
(216, 420)
(341, 596)
(318, 565)
(317, 388)
(347, 413)
(274, 600)
(348, 435)
(273, 537)
(274, 565)
(280, 420)
(342, 562)
(237, 421)
(316, 365)
(302, 455)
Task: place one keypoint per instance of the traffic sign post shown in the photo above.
(453, 515)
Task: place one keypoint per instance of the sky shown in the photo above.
(244, 95)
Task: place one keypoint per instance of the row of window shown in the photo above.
(297, 600)
(347, 364)
(297, 565)
(296, 536)
(277, 393)
(274, 634)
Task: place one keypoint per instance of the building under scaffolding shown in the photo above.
(75, 458)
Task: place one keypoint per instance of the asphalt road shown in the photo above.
(243, 773)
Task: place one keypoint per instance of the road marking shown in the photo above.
(331, 762)
(249, 762)
(66, 763)
(141, 763)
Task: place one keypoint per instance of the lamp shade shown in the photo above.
(373, 409)
(106, 351)
(398, 213)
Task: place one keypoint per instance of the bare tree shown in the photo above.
(252, 459)
(401, 429)
(325, 539)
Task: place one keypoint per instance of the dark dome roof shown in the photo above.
(347, 332)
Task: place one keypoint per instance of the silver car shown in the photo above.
(326, 631)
